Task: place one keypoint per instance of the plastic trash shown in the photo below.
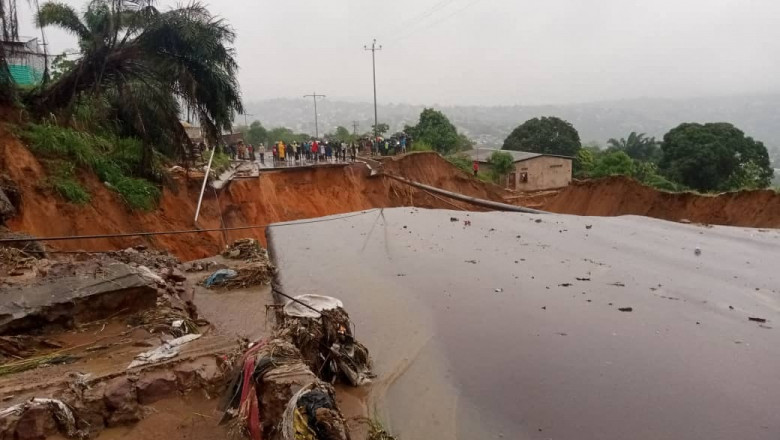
(220, 277)
(316, 302)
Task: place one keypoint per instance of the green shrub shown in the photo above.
(221, 162)
(62, 178)
(71, 190)
(137, 193)
(461, 161)
(421, 146)
(113, 159)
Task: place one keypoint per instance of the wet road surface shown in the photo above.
(511, 327)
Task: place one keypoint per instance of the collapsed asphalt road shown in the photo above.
(554, 326)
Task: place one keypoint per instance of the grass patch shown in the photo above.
(71, 190)
(62, 179)
(113, 159)
(461, 161)
(221, 162)
(421, 146)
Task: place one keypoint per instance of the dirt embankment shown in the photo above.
(308, 193)
(273, 197)
(621, 196)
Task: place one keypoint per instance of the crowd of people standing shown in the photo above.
(288, 154)
(316, 151)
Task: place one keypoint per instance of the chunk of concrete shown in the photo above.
(70, 300)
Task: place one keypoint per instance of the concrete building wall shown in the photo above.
(539, 173)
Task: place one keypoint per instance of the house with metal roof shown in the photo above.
(533, 171)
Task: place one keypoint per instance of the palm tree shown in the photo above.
(637, 146)
(145, 62)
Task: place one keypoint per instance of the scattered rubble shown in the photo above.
(256, 268)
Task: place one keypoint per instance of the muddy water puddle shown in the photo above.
(511, 327)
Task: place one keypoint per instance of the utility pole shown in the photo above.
(354, 128)
(314, 96)
(373, 50)
(245, 115)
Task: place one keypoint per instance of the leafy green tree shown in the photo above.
(547, 135)
(286, 135)
(613, 163)
(60, 65)
(381, 129)
(437, 131)
(147, 62)
(637, 146)
(256, 133)
(714, 157)
(501, 164)
(341, 134)
(584, 162)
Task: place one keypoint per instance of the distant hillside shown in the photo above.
(758, 116)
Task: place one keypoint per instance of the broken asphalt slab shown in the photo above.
(70, 300)
(442, 335)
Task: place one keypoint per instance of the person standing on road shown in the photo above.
(476, 168)
(261, 152)
(282, 152)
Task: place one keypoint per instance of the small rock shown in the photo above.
(697, 251)
(156, 385)
(499, 290)
(36, 423)
(565, 285)
(175, 275)
(625, 309)
(588, 226)
(538, 220)
(761, 320)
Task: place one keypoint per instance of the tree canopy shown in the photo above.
(546, 135)
(341, 134)
(437, 131)
(714, 156)
(145, 64)
(255, 133)
(637, 146)
(501, 163)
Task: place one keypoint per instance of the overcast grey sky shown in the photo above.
(498, 51)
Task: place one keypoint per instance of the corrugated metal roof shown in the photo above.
(483, 154)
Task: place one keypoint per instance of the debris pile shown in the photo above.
(256, 268)
(275, 395)
(320, 327)
(275, 392)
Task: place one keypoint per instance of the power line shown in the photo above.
(406, 35)
(179, 232)
(414, 20)
(314, 96)
(373, 50)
